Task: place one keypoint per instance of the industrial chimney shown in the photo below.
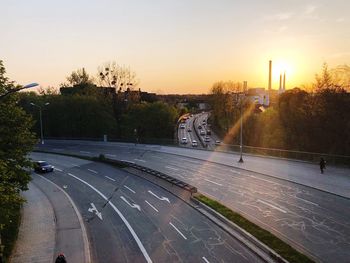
(284, 82)
(270, 73)
(280, 88)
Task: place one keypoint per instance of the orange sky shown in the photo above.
(181, 46)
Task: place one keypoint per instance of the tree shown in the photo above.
(16, 141)
(79, 78)
(113, 75)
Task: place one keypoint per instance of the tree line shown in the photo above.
(315, 121)
(86, 110)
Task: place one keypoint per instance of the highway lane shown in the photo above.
(166, 228)
(202, 120)
(314, 221)
(188, 133)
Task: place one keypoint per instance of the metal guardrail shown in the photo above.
(259, 151)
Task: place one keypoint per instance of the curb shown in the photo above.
(259, 248)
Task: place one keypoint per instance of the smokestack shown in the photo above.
(284, 81)
(280, 88)
(270, 72)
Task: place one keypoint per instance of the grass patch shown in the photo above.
(9, 232)
(276, 244)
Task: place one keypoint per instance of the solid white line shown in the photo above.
(273, 206)
(137, 239)
(58, 169)
(212, 182)
(140, 160)
(93, 171)
(84, 152)
(206, 260)
(178, 230)
(171, 168)
(233, 171)
(109, 178)
(155, 209)
(130, 189)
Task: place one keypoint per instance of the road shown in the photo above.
(192, 132)
(316, 222)
(129, 219)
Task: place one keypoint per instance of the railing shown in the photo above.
(259, 151)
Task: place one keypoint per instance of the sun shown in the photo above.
(280, 67)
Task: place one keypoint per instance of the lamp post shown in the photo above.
(241, 96)
(41, 120)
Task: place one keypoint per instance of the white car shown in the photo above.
(184, 140)
(194, 143)
(217, 142)
(202, 132)
(182, 126)
(207, 139)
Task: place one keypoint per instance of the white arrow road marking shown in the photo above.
(206, 260)
(171, 168)
(212, 182)
(93, 209)
(155, 209)
(273, 206)
(129, 189)
(160, 198)
(178, 230)
(109, 178)
(131, 205)
(132, 231)
(93, 171)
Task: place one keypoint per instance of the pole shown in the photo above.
(41, 127)
(241, 139)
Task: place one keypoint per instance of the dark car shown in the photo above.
(43, 167)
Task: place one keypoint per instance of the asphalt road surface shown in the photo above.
(129, 219)
(314, 221)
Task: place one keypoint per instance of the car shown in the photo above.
(182, 126)
(202, 132)
(217, 142)
(189, 130)
(199, 127)
(43, 167)
(184, 140)
(207, 139)
(194, 143)
(204, 121)
(208, 132)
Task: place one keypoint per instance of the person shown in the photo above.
(322, 165)
(61, 258)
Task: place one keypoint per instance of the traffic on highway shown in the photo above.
(194, 131)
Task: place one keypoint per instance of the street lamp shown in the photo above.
(41, 121)
(241, 135)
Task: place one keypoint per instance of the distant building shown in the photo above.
(259, 96)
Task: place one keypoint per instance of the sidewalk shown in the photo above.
(36, 237)
(50, 225)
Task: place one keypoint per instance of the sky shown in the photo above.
(174, 46)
